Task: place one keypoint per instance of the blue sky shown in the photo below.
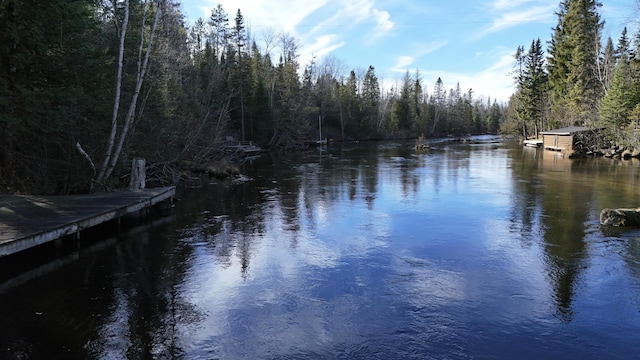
(467, 42)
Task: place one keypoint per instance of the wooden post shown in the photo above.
(137, 181)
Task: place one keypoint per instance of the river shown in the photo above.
(481, 250)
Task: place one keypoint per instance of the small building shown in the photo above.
(562, 139)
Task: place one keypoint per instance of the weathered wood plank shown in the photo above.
(28, 221)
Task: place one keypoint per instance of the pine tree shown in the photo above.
(608, 64)
(438, 103)
(401, 109)
(219, 22)
(619, 101)
(239, 37)
(573, 62)
(532, 89)
(371, 100)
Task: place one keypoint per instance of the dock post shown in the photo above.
(138, 176)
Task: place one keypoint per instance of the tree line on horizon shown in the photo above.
(582, 81)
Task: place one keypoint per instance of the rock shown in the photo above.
(620, 217)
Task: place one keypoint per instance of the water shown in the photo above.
(359, 251)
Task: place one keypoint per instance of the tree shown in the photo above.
(619, 101)
(573, 62)
(53, 74)
(608, 64)
(371, 100)
(438, 100)
(532, 87)
(119, 135)
(401, 109)
(239, 37)
(219, 22)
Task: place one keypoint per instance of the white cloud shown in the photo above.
(285, 15)
(515, 18)
(505, 4)
(322, 46)
(420, 49)
(494, 81)
(383, 24)
(403, 62)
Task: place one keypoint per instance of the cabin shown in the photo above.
(562, 139)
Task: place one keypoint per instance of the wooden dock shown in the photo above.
(243, 147)
(28, 221)
(536, 143)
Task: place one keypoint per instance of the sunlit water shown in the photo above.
(358, 251)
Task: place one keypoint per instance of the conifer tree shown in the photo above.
(619, 101)
(532, 88)
(573, 62)
(371, 100)
(607, 64)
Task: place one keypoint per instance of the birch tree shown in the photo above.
(119, 133)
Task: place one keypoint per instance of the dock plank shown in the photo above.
(27, 221)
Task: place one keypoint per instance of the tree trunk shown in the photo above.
(116, 106)
(128, 122)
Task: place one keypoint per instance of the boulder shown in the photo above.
(620, 217)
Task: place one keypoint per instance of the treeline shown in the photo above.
(87, 85)
(582, 81)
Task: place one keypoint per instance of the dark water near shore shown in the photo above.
(362, 251)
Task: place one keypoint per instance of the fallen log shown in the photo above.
(620, 217)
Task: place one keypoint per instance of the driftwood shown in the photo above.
(620, 217)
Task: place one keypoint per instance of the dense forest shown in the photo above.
(87, 85)
(582, 80)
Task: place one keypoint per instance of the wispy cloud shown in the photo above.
(283, 15)
(493, 81)
(509, 16)
(322, 46)
(505, 4)
(403, 62)
(383, 24)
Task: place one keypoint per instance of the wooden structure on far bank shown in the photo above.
(564, 139)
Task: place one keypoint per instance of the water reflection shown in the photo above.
(363, 251)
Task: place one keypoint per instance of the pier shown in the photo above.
(29, 221)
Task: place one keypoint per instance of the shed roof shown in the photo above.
(567, 130)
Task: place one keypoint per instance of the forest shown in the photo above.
(582, 80)
(88, 85)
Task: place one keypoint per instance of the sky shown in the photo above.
(470, 43)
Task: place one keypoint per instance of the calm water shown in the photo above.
(362, 251)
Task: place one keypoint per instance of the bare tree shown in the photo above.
(117, 138)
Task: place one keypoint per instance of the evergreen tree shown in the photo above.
(532, 87)
(608, 64)
(401, 110)
(619, 101)
(219, 22)
(239, 36)
(573, 62)
(438, 100)
(55, 77)
(371, 101)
